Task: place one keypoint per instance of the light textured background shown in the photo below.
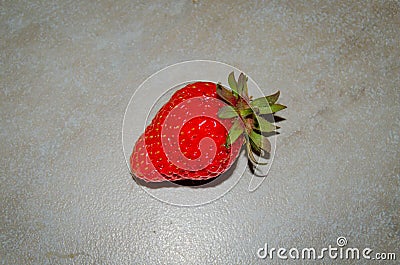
(67, 69)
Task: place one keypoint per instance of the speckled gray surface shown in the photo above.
(67, 73)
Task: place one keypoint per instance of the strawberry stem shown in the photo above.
(246, 113)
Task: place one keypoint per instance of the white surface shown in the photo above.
(67, 69)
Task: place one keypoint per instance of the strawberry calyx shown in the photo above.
(249, 116)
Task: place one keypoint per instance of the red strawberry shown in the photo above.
(199, 132)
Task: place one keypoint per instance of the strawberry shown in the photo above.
(199, 132)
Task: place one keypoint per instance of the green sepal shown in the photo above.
(255, 148)
(241, 84)
(245, 112)
(245, 89)
(266, 101)
(277, 107)
(225, 94)
(250, 155)
(227, 112)
(260, 141)
(234, 133)
(272, 99)
(233, 84)
(263, 125)
(269, 109)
